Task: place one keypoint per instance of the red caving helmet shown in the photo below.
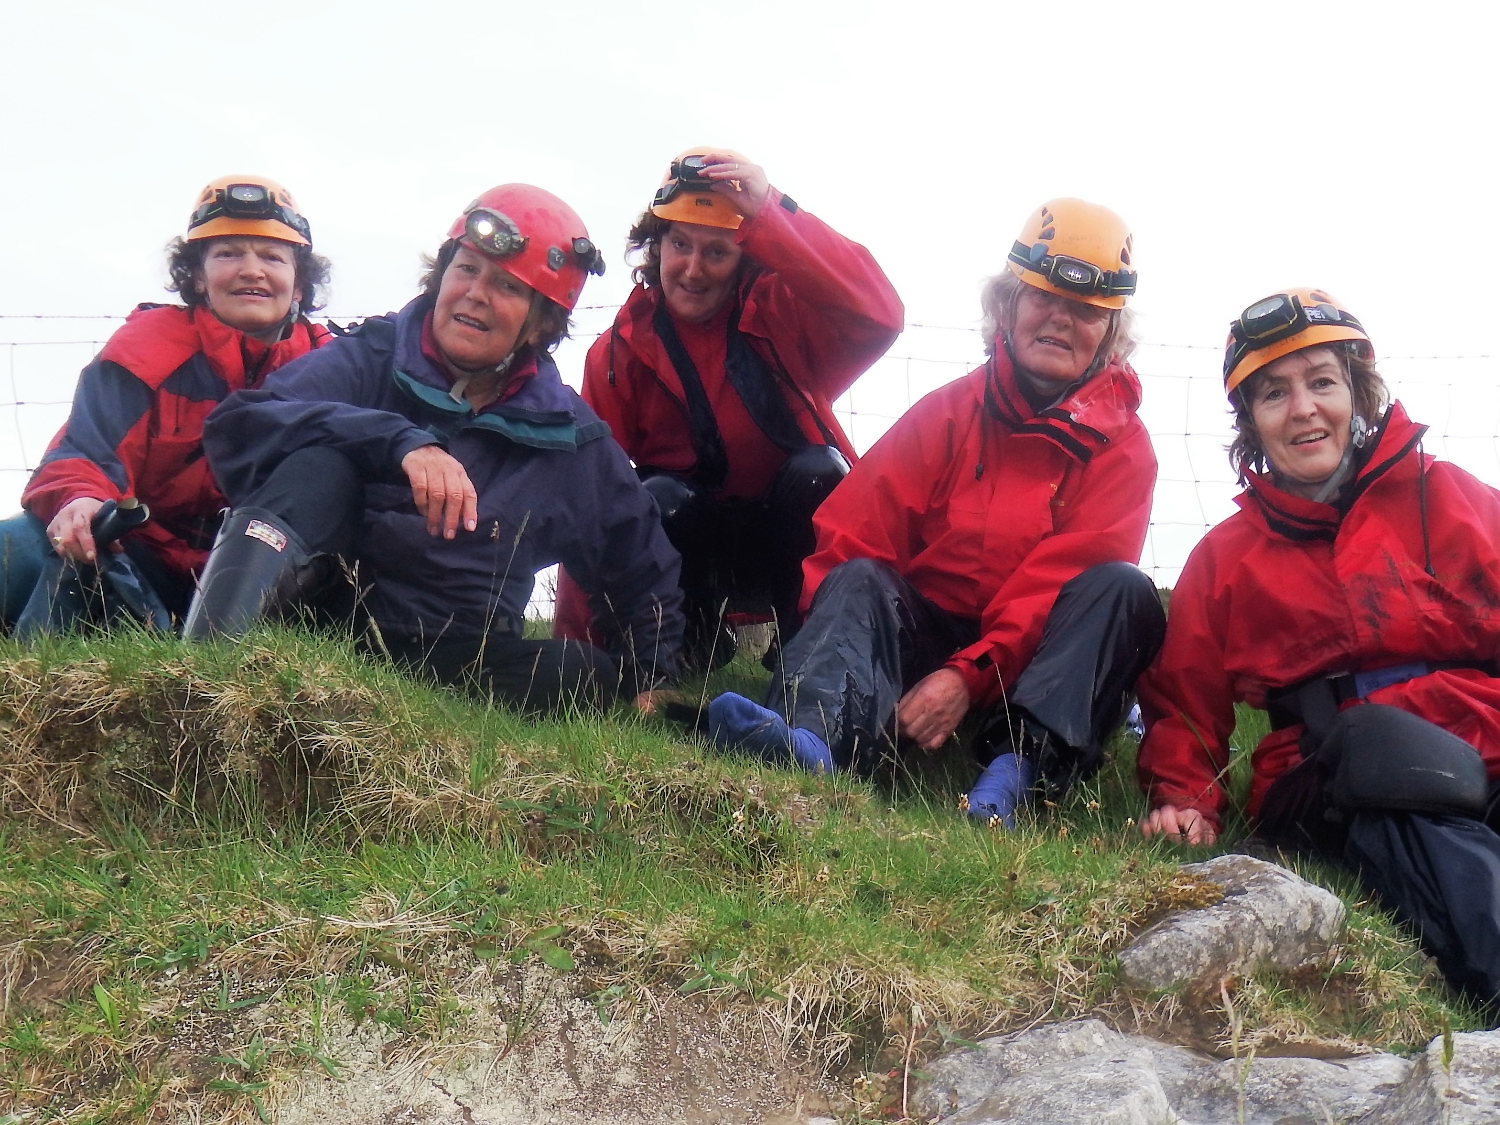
(535, 236)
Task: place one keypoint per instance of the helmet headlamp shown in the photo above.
(1073, 275)
(1277, 318)
(492, 233)
(249, 201)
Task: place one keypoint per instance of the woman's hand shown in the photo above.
(754, 187)
(72, 534)
(1181, 825)
(933, 708)
(442, 490)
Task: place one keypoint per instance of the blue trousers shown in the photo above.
(23, 549)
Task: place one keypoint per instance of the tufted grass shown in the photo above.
(211, 855)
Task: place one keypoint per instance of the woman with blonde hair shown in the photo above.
(979, 557)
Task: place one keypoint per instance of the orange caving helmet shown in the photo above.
(1283, 323)
(1076, 249)
(247, 206)
(535, 236)
(686, 197)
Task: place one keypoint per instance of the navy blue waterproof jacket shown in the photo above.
(553, 487)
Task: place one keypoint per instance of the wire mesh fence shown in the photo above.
(1184, 410)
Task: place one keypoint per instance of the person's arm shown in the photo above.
(1103, 519)
(611, 385)
(98, 455)
(622, 559)
(1187, 701)
(841, 310)
(874, 512)
(337, 396)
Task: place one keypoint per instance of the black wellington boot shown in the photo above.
(258, 564)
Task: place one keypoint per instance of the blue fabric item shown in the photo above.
(1001, 789)
(740, 725)
(553, 487)
(23, 550)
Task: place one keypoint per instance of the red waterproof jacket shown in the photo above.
(988, 507)
(816, 308)
(1286, 589)
(136, 427)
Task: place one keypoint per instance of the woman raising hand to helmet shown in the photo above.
(749, 317)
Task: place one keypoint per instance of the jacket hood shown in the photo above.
(1396, 436)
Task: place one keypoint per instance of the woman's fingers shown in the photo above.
(441, 490)
(71, 530)
(753, 188)
(1179, 825)
(933, 708)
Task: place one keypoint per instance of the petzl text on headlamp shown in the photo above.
(1073, 275)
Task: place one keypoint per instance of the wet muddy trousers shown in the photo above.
(871, 636)
(283, 548)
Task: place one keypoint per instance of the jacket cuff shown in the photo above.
(413, 439)
(977, 680)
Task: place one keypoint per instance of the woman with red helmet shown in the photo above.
(749, 317)
(1354, 596)
(128, 464)
(979, 557)
(437, 457)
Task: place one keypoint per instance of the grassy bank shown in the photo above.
(210, 855)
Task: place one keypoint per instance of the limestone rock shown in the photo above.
(1118, 1088)
(1269, 917)
(1464, 1092)
(1082, 1073)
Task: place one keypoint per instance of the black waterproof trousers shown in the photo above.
(871, 636)
(743, 555)
(1438, 873)
(319, 494)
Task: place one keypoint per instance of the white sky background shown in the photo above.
(1249, 147)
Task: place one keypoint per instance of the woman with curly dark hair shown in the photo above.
(128, 465)
(749, 317)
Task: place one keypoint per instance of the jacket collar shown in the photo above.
(542, 412)
(1293, 517)
(158, 339)
(1088, 417)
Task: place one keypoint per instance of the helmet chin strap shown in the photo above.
(1358, 431)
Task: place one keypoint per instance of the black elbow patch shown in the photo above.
(789, 203)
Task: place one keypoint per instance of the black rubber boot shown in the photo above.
(258, 564)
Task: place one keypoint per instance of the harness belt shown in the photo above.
(1315, 702)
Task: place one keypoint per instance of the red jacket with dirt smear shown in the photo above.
(988, 507)
(136, 427)
(1286, 589)
(816, 308)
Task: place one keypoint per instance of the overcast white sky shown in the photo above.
(1249, 147)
